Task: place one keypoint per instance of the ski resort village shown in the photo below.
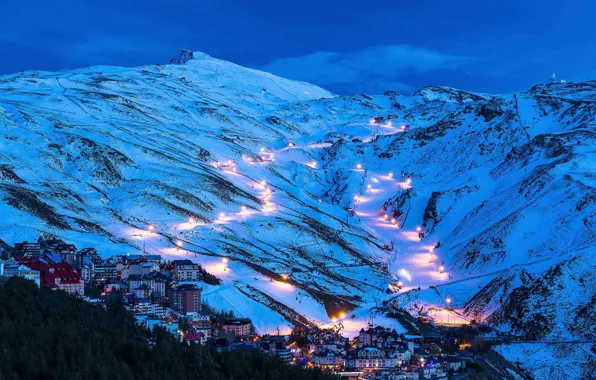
(445, 234)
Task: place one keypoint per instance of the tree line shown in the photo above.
(47, 334)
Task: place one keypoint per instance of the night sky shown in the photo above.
(346, 46)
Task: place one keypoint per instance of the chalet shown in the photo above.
(328, 359)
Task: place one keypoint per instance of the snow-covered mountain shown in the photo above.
(306, 204)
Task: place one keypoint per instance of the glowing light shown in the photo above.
(418, 229)
(385, 217)
(263, 183)
(179, 243)
(431, 249)
(191, 220)
(400, 283)
(314, 164)
(262, 150)
(356, 198)
(291, 144)
(267, 204)
(359, 166)
(224, 260)
(372, 121)
(284, 276)
(408, 181)
(222, 215)
(393, 221)
(406, 274)
(342, 315)
(333, 319)
(151, 227)
(403, 127)
(441, 268)
(369, 187)
(243, 208)
(389, 124)
(390, 175)
(448, 300)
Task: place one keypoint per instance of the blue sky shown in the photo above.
(346, 46)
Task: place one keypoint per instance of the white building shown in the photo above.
(10, 268)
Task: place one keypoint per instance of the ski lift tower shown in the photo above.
(553, 79)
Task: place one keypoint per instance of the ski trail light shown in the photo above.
(389, 124)
(390, 175)
(408, 181)
(448, 300)
(355, 197)
(418, 229)
(291, 144)
(243, 208)
(151, 227)
(359, 166)
(224, 260)
(179, 244)
(393, 221)
(222, 215)
(385, 217)
(441, 268)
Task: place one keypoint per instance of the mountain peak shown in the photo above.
(187, 55)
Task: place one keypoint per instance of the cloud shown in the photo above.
(372, 70)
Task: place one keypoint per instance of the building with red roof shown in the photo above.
(61, 276)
